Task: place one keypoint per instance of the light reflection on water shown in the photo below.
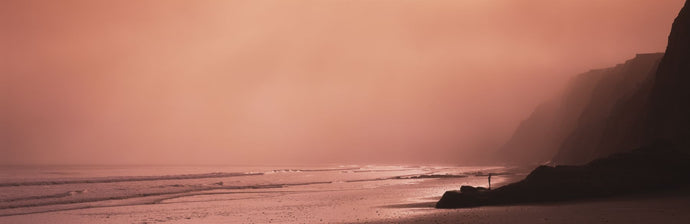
(35, 190)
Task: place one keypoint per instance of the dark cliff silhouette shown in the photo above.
(670, 98)
(657, 111)
(566, 122)
(614, 97)
(652, 118)
(537, 138)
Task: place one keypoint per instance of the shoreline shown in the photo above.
(370, 193)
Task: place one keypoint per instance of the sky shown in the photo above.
(296, 82)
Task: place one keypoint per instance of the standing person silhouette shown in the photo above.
(489, 181)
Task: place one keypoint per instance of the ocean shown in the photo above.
(229, 194)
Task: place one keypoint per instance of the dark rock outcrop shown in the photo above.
(469, 189)
(659, 166)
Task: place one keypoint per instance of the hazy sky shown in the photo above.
(245, 82)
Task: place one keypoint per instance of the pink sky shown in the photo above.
(248, 82)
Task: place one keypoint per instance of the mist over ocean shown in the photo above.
(341, 111)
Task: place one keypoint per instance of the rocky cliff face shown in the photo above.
(614, 97)
(572, 120)
(669, 118)
(640, 102)
(537, 138)
(658, 111)
(625, 111)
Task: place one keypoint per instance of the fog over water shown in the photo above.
(282, 82)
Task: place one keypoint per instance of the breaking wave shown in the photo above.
(127, 179)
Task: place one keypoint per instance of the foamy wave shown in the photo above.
(428, 176)
(19, 202)
(127, 179)
(52, 196)
(309, 170)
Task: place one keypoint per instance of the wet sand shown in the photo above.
(665, 207)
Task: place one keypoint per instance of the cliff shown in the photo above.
(614, 97)
(654, 115)
(570, 122)
(670, 97)
(536, 140)
(656, 111)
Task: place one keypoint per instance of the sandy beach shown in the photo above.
(664, 207)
